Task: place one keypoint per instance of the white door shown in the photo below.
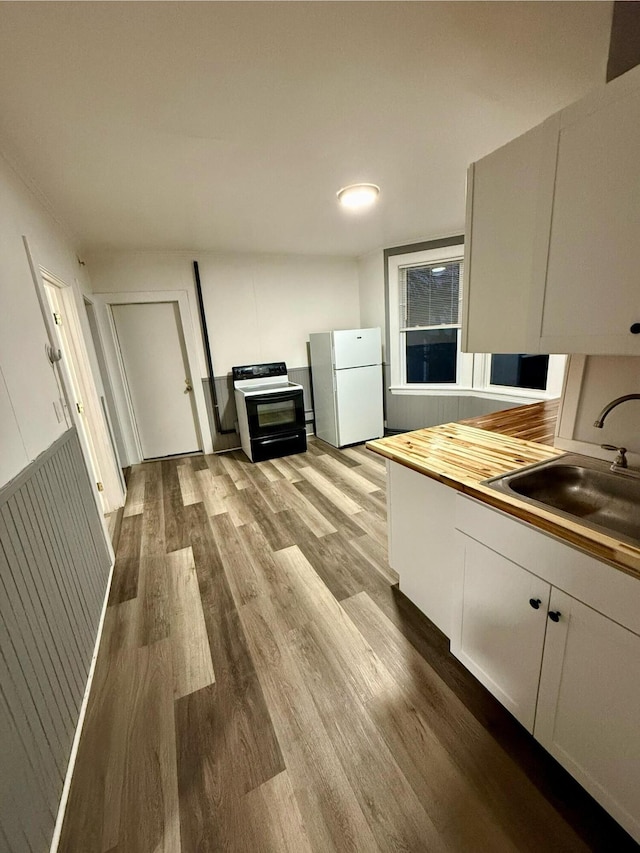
(359, 404)
(589, 703)
(157, 374)
(356, 347)
(501, 635)
(87, 413)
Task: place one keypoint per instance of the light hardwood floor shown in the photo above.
(262, 685)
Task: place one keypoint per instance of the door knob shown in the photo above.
(189, 386)
(535, 603)
(554, 615)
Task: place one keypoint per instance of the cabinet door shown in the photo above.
(509, 199)
(501, 633)
(423, 548)
(592, 295)
(589, 704)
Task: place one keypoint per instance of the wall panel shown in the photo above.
(54, 565)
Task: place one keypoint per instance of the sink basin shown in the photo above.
(580, 488)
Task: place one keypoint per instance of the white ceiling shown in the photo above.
(230, 126)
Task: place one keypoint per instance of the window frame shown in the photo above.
(473, 370)
(397, 334)
(555, 379)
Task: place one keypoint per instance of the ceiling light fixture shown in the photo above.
(358, 196)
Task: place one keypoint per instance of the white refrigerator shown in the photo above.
(346, 373)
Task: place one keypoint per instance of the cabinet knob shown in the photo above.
(635, 329)
(554, 615)
(535, 603)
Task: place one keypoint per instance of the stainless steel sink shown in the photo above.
(582, 489)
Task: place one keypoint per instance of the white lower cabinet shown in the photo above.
(589, 704)
(569, 667)
(423, 544)
(552, 632)
(504, 614)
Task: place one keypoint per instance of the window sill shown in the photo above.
(523, 397)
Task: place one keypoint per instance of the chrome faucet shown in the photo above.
(599, 422)
(620, 463)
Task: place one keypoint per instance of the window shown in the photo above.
(426, 287)
(432, 355)
(521, 374)
(519, 371)
(429, 321)
(425, 311)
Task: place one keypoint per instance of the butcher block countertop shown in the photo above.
(462, 454)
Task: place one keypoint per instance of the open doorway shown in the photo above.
(83, 399)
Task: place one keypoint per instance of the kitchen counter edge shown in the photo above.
(477, 457)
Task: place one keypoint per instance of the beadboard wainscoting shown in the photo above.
(54, 567)
(227, 411)
(405, 412)
(415, 411)
(302, 375)
(402, 412)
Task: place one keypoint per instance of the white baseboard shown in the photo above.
(55, 841)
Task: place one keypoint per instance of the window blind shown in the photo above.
(430, 295)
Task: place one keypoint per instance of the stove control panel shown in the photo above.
(259, 371)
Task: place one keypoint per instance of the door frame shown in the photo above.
(108, 408)
(79, 376)
(71, 417)
(103, 303)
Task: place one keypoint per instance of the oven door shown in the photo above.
(274, 414)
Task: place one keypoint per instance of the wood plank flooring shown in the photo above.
(263, 685)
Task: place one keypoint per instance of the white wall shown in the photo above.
(371, 292)
(28, 388)
(259, 307)
(130, 272)
(263, 308)
(605, 378)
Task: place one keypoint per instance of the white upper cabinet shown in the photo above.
(592, 294)
(509, 202)
(553, 225)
